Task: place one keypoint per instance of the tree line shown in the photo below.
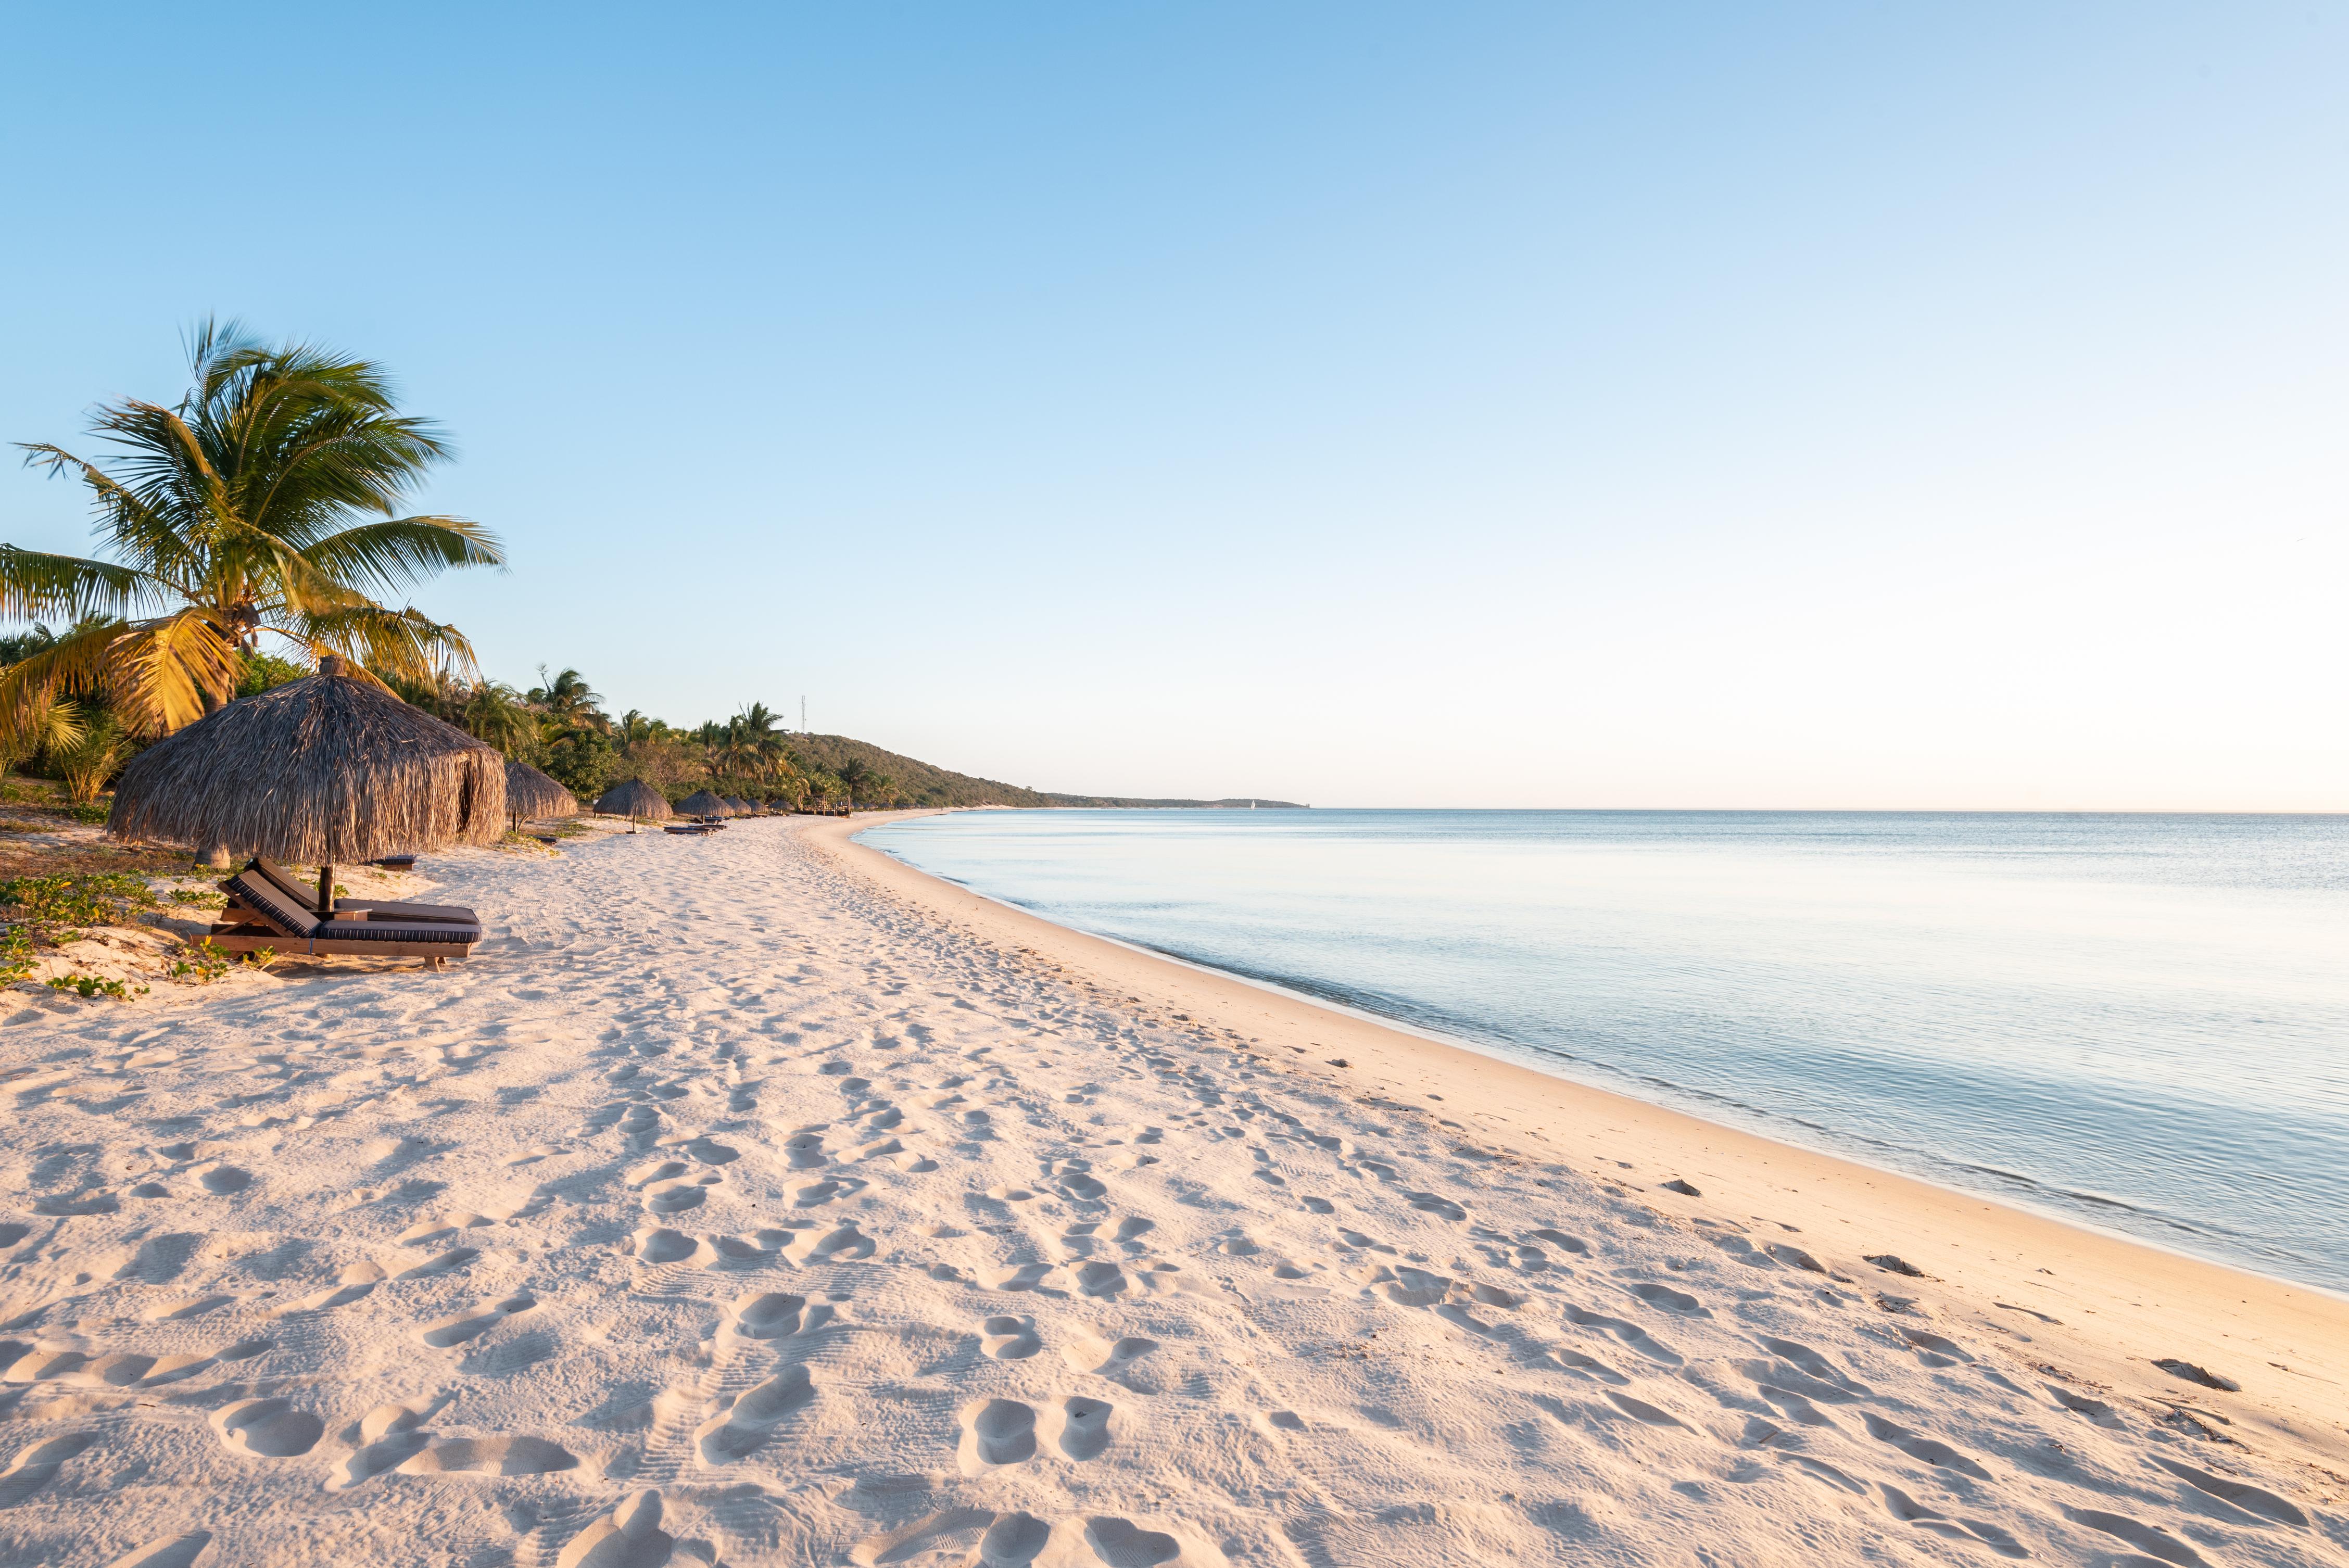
(259, 523)
(560, 728)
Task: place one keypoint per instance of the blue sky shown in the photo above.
(1834, 406)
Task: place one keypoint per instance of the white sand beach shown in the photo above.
(754, 1198)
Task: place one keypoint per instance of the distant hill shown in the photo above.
(931, 786)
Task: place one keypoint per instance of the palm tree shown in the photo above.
(758, 739)
(266, 500)
(569, 701)
(495, 712)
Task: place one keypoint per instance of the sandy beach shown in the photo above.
(755, 1199)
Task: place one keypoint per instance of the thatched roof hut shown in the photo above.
(779, 804)
(702, 803)
(533, 797)
(326, 769)
(741, 808)
(635, 798)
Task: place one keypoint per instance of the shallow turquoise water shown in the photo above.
(2136, 1021)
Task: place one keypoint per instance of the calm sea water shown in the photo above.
(2139, 1022)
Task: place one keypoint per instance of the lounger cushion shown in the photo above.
(380, 908)
(291, 886)
(395, 931)
(286, 916)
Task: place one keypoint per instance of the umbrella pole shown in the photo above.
(325, 892)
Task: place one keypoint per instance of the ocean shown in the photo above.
(2136, 1022)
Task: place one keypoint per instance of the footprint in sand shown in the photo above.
(1640, 1410)
(2096, 1410)
(466, 1326)
(36, 1464)
(438, 1263)
(1003, 1541)
(172, 1552)
(804, 1151)
(1666, 1297)
(1007, 1338)
(1017, 1276)
(224, 1179)
(501, 1455)
(1560, 1240)
(388, 1436)
(428, 1231)
(630, 1536)
(1123, 1544)
(643, 1176)
(1630, 1333)
(353, 1283)
(1443, 1208)
(812, 1193)
(1909, 1511)
(2145, 1538)
(2242, 1494)
(743, 1426)
(1079, 1426)
(828, 1246)
(1012, 1540)
(1094, 1352)
(1794, 1257)
(268, 1429)
(662, 1245)
(675, 1197)
(1933, 1450)
(1100, 1280)
(996, 1432)
(769, 1316)
(1933, 1349)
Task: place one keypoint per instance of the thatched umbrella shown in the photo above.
(779, 804)
(532, 796)
(702, 803)
(635, 798)
(741, 808)
(326, 769)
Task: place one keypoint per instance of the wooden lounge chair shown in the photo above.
(260, 914)
(381, 909)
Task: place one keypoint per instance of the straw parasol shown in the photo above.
(741, 808)
(329, 769)
(635, 798)
(532, 796)
(702, 803)
(779, 804)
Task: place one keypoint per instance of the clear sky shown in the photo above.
(1362, 403)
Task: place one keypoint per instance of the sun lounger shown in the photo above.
(378, 909)
(260, 914)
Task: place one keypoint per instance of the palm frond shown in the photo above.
(147, 527)
(164, 671)
(399, 551)
(33, 583)
(396, 643)
(78, 662)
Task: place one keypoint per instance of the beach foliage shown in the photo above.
(268, 500)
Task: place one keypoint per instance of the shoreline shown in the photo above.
(2016, 1271)
(1502, 1055)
